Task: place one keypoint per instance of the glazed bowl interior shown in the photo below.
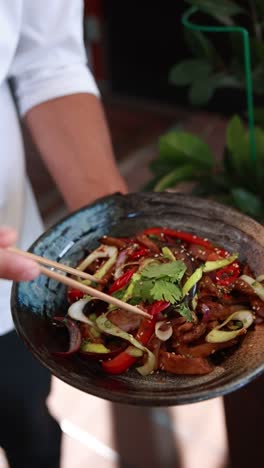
(35, 303)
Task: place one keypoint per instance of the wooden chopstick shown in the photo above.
(93, 292)
(58, 266)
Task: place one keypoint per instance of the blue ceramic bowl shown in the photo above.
(35, 303)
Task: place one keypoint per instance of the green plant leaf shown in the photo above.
(228, 166)
(252, 173)
(212, 184)
(247, 202)
(234, 134)
(161, 165)
(225, 80)
(237, 146)
(149, 186)
(259, 116)
(201, 91)
(142, 289)
(171, 271)
(187, 148)
(257, 169)
(184, 311)
(171, 179)
(217, 8)
(164, 291)
(201, 46)
(185, 72)
(259, 138)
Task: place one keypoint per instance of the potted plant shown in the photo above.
(218, 62)
(235, 180)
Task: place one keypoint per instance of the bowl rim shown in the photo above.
(149, 399)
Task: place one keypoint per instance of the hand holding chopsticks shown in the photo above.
(12, 267)
(76, 284)
(58, 266)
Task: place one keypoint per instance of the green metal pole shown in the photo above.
(247, 63)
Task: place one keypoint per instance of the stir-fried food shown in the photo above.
(201, 300)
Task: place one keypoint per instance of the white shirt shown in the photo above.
(42, 53)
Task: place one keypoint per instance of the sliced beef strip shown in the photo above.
(113, 241)
(177, 364)
(203, 349)
(144, 240)
(125, 320)
(194, 334)
(213, 310)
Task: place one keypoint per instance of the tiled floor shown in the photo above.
(197, 430)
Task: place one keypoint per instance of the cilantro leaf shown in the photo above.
(119, 293)
(134, 300)
(158, 281)
(172, 271)
(159, 290)
(184, 310)
(165, 291)
(143, 289)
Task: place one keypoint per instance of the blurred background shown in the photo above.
(132, 48)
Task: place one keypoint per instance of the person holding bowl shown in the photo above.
(44, 81)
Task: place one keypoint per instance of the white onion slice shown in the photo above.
(260, 278)
(258, 288)
(75, 311)
(101, 252)
(120, 264)
(163, 335)
(216, 335)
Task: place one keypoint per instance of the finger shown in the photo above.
(8, 236)
(16, 268)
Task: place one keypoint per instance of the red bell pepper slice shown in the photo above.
(119, 363)
(185, 236)
(139, 253)
(74, 295)
(122, 281)
(123, 361)
(158, 307)
(228, 274)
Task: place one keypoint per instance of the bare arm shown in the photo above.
(73, 139)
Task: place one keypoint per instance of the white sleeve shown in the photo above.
(50, 59)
